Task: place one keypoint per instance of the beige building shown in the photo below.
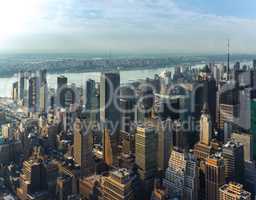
(233, 191)
(228, 113)
(118, 185)
(203, 148)
(146, 155)
(214, 176)
(205, 127)
(83, 145)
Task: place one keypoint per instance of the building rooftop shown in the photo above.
(121, 175)
(232, 144)
(235, 189)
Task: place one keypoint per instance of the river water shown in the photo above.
(80, 78)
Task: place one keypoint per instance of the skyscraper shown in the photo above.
(179, 136)
(164, 142)
(254, 64)
(127, 105)
(83, 146)
(119, 185)
(43, 93)
(90, 187)
(15, 91)
(228, 105)
(205, 92)
(245, 97)
(214, 176)
(233, 191)
(21, 85)
(205, 127)
(43, 76)
(61, 81)
(33, 182)
(33, 94)
(145, 152)
(181, 176)
(250, 176)
(67, 96)
(203, 149)
(253, 125)
(91, 100)
(43, 98)
(228, 63)
(63, 187)
(109, 108)
(107, 148)
(233, 154)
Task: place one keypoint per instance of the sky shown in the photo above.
(127, 26)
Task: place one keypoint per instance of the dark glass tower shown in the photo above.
(110, 108)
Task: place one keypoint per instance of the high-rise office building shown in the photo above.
(83, 146)
(52, 132)
(245, 97)
(107, 148)
(127, 157)
(233, 154)
(90, 187)
(205, 91)
(205, 126)
(179, 136)
(250, 176)
(127, 105)
(253, 125)
(169, 106)
(33, 182)
(64, 187)
(43, 93)
(164, 142)
(67, 96)
(147, 100)
(119, 186)
(181, 176)
(33, 94)
(52, 173)
(109, 98)
(15, 89)
(203, 148)
(254, 64)
(233, 191)
(216, 73)
(91, 101)
(110, 108)
(25, 98)
(214, 176)
(61, 82)
(146, 155)
(228, 105)
(43, 98)
(21, 85)
(43, 76)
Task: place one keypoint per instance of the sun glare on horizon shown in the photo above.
(15, 17)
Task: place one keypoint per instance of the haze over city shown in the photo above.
(127, 26)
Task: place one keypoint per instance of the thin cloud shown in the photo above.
(133, 25)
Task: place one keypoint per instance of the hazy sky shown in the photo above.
(128, 26)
